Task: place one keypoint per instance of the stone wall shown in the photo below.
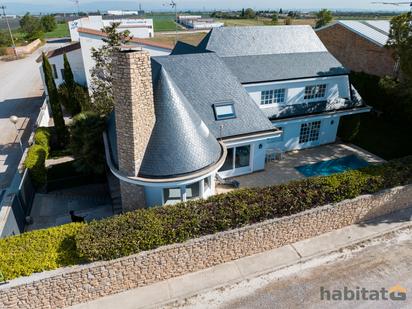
(26, 49)
(355, 52)
(135, 118)
(69, 286)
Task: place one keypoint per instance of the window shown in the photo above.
(316, 91)
(54, 71)
(62, 72)
(309, 132)
(172, 195)
(272, 96)
(193, 191)
(228, 165)
(224, 110)
(237, 158)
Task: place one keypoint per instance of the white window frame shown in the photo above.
(312, 129)
(273, 96)
(316, 98)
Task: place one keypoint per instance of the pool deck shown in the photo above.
(283, 171)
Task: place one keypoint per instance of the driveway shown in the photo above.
(383, 264)
(21, 94)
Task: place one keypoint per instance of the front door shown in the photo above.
(238, 161)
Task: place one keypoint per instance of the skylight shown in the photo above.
(224, 110)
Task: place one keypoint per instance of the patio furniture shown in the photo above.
(270, 155)
(227, 182)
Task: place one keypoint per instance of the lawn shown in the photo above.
(387, 139)
(164, 23)
(61, 31)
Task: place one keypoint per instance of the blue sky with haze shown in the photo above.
(67, 5)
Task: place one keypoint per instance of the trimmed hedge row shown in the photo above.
(147, 229)
(37, 155)
(150, 228)
(39, 250)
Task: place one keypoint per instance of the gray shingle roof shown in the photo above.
(261, 68)
(243, 41)
(205, 80)
(180, 142)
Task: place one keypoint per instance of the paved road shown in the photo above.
(21, 92)
(380, 265)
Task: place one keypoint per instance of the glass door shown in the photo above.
(237, 161)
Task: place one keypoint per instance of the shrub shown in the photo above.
(149, 228)
(349, 127)
(35, 162)
(86, 142)
(42, 137)
(39, 250)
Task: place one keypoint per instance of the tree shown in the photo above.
(280, 11)
(31, 26)
(48, 23)
(242, 13)
(4, 39)
(59, 125)
(86, 142)
(288, 21)
(275, 19)
(323, 17)
(249, 13)
(102, 100)
(72, 96)
(349, 127)
(400, 40)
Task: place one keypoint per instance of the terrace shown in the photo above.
(284, 170)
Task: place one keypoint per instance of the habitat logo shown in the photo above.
(395, 293)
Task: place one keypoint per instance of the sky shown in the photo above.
(68, 5)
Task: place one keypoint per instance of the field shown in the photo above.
(61, 31)
(163, 22)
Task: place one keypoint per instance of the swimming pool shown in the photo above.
(325, 168)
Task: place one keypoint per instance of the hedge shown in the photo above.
(42, 137)
(147, 229)
(39, 250)
(35, 162)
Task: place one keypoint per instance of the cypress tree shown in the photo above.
(68, 74)
(68, 91)
(59, 125)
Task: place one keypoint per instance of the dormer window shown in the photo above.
(224, 110)
(315, 92)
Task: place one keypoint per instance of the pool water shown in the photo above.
(325, 168)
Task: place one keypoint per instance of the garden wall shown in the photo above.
(72, 285)
(26, 49)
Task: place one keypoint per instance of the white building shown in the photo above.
(90, 38)
(80, 56)
(196, 22)
(122, 13)
(139, 28)
(222, 108)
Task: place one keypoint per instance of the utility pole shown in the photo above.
(8, 26)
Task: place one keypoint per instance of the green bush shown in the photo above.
(39, 250)
(349, 127)
(150, 228)
(35, 162)
(42, 137)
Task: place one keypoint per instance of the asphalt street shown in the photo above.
(21, 92)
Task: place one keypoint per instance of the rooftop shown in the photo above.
(376, 31)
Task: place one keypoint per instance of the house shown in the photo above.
(221, 108)
(360, 45)
(80, 58)
(74, 56)
(90, 38)
(196, 22)
(138, 27)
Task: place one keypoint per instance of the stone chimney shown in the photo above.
(135, 118)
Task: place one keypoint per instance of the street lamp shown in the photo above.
(14, 119)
